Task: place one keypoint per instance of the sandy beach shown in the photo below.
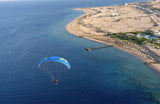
(115, 19)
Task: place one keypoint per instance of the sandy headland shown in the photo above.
(98, 22)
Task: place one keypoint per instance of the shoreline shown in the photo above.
(78, 30)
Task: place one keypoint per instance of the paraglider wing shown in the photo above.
(43, 60)
(53, 65)
(56, 59)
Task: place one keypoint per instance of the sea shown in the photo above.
(33, 30)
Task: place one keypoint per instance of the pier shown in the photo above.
(147, 63)
(89, 49)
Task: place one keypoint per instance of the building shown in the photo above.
(157, 33)
(126, 4)
(114, 14)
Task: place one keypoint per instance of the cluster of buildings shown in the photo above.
(156, 34)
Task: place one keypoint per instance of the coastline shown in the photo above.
(74, 28)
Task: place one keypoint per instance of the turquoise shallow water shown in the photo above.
(31, 31)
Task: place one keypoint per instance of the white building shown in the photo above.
(126, 4)
(157, 33)
(114, 14)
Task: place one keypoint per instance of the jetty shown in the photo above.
(147, 63)
(89, 49)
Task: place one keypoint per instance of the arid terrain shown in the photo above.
(97, 22)
(117, 19)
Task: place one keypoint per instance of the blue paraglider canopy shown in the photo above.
(53, 65)
(56, 59)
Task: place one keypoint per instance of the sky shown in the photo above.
(25, 0)
(11, 0)
(20, 0)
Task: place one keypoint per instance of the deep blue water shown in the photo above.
(30, 31)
